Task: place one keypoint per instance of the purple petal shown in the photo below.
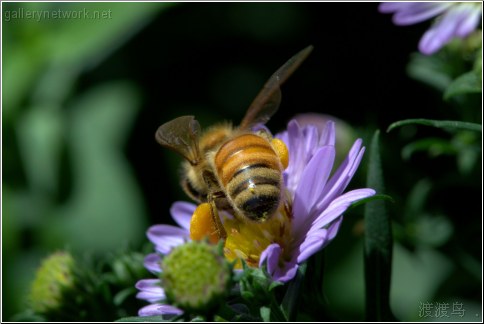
(325, 227)
(270, 256)
(150, 290)
(152, 263)
(407, 13)
(390, 7)
(150, 297)
(429, 43)
(286, 273)
(419, 11)
(339, 206)
(311, 187)
(159, 309)
(354, 166)
(166, 237)
(182, 213)
(311, 139)
(313, 180)
(293, 132)
(328, 136)
(152, 285)
(324, 124)
(333, 229)
(471, 16)
(297, 156)
(341, 178)
(443, 31)
(312, 244)
(458, 19)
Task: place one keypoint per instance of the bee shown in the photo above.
(235, 169)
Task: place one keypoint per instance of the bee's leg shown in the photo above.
(211, 182)
(216, 218)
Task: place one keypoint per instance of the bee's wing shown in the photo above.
(181, 135)
(267, 101)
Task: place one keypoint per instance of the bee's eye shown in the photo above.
(192, 192)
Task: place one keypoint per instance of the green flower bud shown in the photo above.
(196, 277)
(70, 288)
(53, 278)
(256, 286)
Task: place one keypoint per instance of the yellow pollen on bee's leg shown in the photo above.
(202, 224)
(281, 150)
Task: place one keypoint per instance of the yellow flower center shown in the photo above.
(247, 240)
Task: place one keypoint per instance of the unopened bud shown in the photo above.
(196, 277)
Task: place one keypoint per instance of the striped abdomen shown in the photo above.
(251, 174)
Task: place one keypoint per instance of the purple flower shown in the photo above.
(308, 219)
(455, 19)
(317, 198)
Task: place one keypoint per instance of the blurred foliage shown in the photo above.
(66, 180)
(82, 99)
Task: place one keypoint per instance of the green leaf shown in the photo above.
(378, 244)
(434, 147)
(469, 82)
(430, 70)
(445, 124)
